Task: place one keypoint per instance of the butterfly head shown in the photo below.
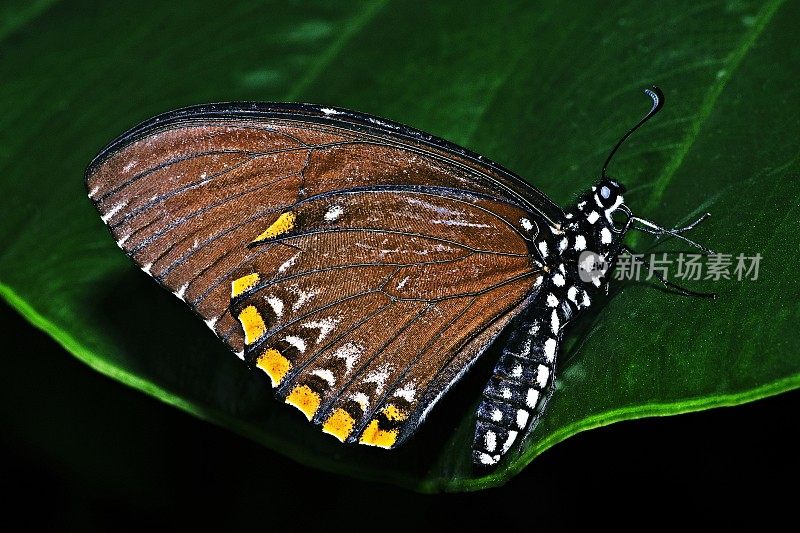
(600, 220)
(608, 193)
(597, 225)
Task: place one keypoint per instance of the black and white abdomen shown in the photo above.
(522, 380)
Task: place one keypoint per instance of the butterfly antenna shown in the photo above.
(657, 96)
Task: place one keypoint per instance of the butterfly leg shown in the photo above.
(521, 383)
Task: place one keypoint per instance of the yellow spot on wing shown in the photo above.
(375, 436)
(304, 399)
(274, 364)
(252, 323)
(244, 284)
(393, 413)
(284, 224)
(339, 424)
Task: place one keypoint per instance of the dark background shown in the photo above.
(80, 451)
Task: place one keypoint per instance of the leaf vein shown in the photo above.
(733, 61)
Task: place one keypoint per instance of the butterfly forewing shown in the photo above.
(362, 266)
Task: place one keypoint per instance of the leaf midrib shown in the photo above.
(732, 63)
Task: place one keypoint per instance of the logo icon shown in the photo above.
(591, 266)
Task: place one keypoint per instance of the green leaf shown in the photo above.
(543, 88)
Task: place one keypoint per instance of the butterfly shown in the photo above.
(363, 266)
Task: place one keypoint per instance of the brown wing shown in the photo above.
(375, 301)
(384, 260)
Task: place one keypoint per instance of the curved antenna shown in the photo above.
(658, 102)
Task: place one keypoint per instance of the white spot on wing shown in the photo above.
(593, 217)
(181, 291)
(329, 111)
(527, 224)
(333, 213)
(580, 243)
(94, 191)
(113, 211)
(240, 354)
(325, 374)
(211, 322)
(288, 263)
(558, 280)
(361, 399)
(276, 304)
(378, 377)
(497, 415)
(297, 342)
(402, 283)
(349, 352)
(302, 297)
(146, 268)
(325, 326)
(407, 392)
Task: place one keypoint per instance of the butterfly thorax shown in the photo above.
(590, 242)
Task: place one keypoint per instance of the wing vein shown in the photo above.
(365, 364)
(294, 372)
(369, 414)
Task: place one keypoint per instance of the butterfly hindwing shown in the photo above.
(356, 324)
(398, 357)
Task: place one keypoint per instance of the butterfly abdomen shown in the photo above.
(522, 379)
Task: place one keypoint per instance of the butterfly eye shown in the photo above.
(607, 194)
(608, 191)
